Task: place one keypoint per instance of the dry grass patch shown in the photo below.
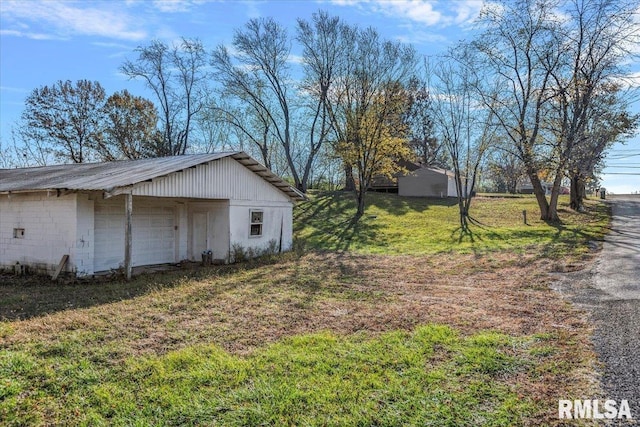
(243, 309)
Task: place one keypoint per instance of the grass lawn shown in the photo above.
(385, 333)
(404, 225)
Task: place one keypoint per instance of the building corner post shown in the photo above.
(128, 205)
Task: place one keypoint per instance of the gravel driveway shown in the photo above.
(610, 293)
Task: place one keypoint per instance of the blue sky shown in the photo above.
(42, 42)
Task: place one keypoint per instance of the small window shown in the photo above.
(256, 223)
(18, 233)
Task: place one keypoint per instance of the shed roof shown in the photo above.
(109, 176)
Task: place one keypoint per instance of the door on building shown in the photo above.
(208, 231)
(199, 233)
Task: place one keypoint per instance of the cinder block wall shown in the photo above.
(49, 223)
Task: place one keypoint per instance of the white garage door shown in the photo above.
(108, 221)
(153, 235)
(152, 231)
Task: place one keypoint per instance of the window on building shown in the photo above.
(256, 223)
(18, 233)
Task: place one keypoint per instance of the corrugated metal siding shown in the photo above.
(99, 176)
(220, 179)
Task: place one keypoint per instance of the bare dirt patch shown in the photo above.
(344, 293)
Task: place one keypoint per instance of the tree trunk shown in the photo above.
(349, 181)
(555, 193)
(304, 184)
(464, 224)
(361, 202)
(541, 198)
(577, 192)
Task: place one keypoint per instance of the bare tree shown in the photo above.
(28, 152)
(505, 169)
(322, 49)
(176, 75)
(257, 78)
(6, 156)
(368, 105)
(63, 120)
(465, 128)
(549, 59)
(594, 44)
(214, 133)
(418, 117)
(518, 50)
(190, 60)
(608, 121)
(251, 122)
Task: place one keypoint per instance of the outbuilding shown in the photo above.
(427, 182)
(121, 214)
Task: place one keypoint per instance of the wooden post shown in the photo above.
(63, 261)
(524, 215)
(128, 207)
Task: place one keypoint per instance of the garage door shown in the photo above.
(108, 221)
(152, 231)
(153, 235)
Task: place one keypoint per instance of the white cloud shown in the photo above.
(414, 10)
(295, 59)
(172, 6)
(253, 11)
(63, 19)
(28, 34)
(425, 12)
(420, 36)
(467, 11)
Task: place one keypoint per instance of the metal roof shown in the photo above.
(109, 176)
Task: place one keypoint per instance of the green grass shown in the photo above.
(432, 376)
(404, 225)
(354, 338)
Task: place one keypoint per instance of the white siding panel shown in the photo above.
(84, 249)
(452, 191)
(219, 179)
(277, 226)
(423, 183)
(109, 234)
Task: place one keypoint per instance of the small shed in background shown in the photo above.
(427, 182)
(141, 212)
(385, 184)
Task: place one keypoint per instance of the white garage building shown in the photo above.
(141, 212)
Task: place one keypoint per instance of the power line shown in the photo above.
(621, 173)
(620, 157)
